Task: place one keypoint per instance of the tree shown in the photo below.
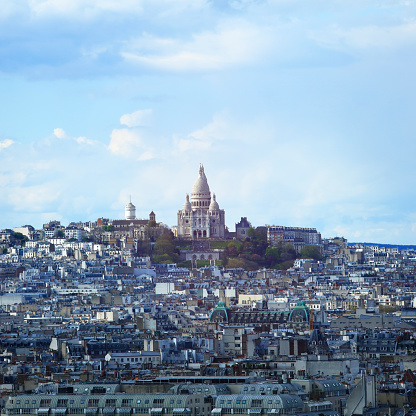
(162, 259)
(60, 234)
(288, 253)
(311, 252)
(152, 224)
(165, 245)
(237, 262)
(20, 239)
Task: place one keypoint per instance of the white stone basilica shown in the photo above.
(201, 217)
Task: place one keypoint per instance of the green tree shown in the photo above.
(311, 252)
(165, 245)
(238, 262)
(152, 224)
(20, 239)
(60, 234)
(272, 255)
(250, 232)
(162, 259)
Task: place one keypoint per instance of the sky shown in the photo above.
(302, 112)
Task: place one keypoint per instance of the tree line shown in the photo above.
(253, 253)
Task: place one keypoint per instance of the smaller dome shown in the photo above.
(130, 206)
(213, 206)
(187, 204)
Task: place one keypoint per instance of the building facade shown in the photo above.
(299, 237)
(201, 216)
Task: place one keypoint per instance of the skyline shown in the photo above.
(302, 114)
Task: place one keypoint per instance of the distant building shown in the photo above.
(241, 228)
(297, 317)
(201, 217)
(299, 237)
(130, 212)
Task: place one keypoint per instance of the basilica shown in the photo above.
(201, 216)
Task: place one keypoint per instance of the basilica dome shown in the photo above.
(200, 189)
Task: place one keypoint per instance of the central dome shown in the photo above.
(200, 189)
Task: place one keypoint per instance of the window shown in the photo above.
(62, 403)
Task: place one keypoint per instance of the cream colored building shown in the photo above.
(201, 216)
(249, 299)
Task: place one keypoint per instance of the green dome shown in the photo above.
(220, 313)
(300, 313)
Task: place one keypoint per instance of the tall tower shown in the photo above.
(130, 211)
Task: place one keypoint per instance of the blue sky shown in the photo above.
(301, 112)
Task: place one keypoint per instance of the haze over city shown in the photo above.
(301, 112)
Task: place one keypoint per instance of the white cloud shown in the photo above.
(191, 144)
(5, 143)
(84, 140)
(59, 133)
(128, 143)
(233, 43)
(137, 119)
(81, 9)
(367, 36)
(37, 197)
(223, 132)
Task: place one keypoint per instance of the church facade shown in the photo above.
(201, 216)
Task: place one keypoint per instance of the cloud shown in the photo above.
(233, 43)
(91, 9)
(5, 143)
(223, 132)
(84, 140)
(137, 119)
(367, 37)
(37, 197)
(59, 133)
(129, 144)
